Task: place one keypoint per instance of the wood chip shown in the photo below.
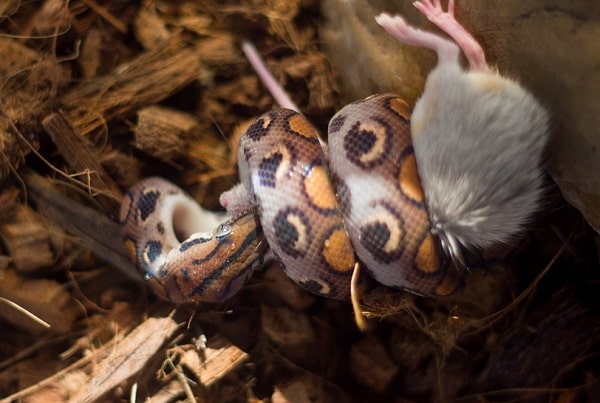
(127, 358)
(26, 231)
(214, 361)
(150, 77)
(171, 136)
(81, 158)
(29, 85)
(42, 298)
(95, 230)
(371, 365)
(304, 388)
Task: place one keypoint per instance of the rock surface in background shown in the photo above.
(551, 47)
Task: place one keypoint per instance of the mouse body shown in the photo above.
(478, 138)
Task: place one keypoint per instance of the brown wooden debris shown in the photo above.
(283, 287)
(30, 82)
(321, 92)
(123, 168)
(80, 156)
(149, 29)
(9, 202)
(37, 301)
(4, 261)
(371, 364)
(304, 388)
(120, 358)
(96, 95)
(127, 358)
(286, 327)
(26, 231)
(114, 363)
(107, 15)
(208, 363)
(147, 79)
(280, 16)
(91, 56)
(170, 392)
(221, 50)
(296, 337)
(558, 338)
(52, 18)
(169, 135)
(96, 231)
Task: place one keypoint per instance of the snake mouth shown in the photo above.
(187, 218)
(181, 223)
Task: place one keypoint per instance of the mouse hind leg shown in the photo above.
(396, 26)
(445, 20)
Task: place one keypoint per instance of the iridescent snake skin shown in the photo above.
(381, 215)
(361, 204)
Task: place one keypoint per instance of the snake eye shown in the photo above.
(223, 230)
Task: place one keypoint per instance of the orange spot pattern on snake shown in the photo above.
(299, 125)
(318, 188)
(409, 181)
(383, 235)
(338, 251)
(427, 258)
(401, 108)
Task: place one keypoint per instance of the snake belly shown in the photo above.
(319, 219)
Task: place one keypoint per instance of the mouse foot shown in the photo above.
(433, 10)
(397, 27)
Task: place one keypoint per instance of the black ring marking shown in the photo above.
(317, 287)
(260, 127)
(146, 203)
(267, 169)
(152, 250)
(292, 240)
(374, 236)
(358, 142)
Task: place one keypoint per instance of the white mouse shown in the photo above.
(478, 138)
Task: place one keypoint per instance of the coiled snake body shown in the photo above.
(479, 147)
(381, 206)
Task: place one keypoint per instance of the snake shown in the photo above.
(320, 209)
(326, 211)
